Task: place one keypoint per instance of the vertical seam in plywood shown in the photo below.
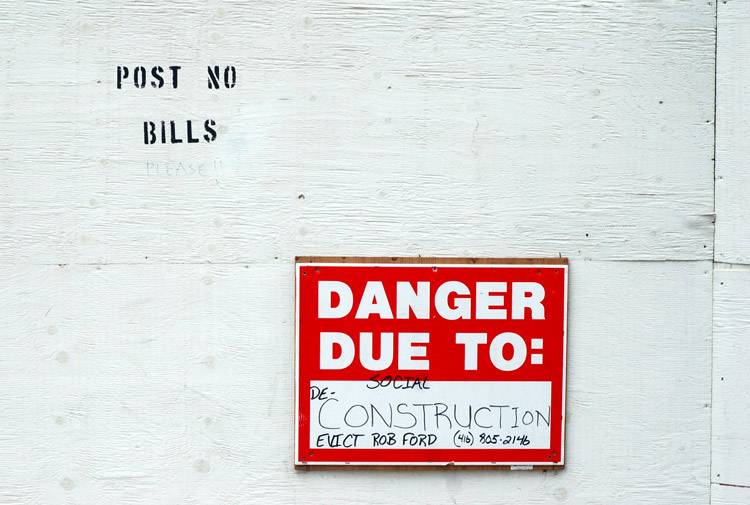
(713, 157)
(713, 266)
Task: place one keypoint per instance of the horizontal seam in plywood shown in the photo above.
(730, 485)
(720, 265)
(737, 266)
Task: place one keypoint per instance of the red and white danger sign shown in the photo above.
(430, 361)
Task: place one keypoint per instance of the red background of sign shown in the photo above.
(446, 358)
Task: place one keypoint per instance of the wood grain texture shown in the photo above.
(377, 129)
(729, 495)
(731, 376)
(174, 384)
(732, 133)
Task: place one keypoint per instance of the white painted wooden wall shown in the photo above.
(146, 320)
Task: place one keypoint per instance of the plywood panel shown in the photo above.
(731, 440)
(732, 133)
(375, 128)
(174, 384)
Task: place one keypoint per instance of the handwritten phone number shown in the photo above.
(467, 439)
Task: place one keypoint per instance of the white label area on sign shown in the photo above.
(437, 415)
(430, 363)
